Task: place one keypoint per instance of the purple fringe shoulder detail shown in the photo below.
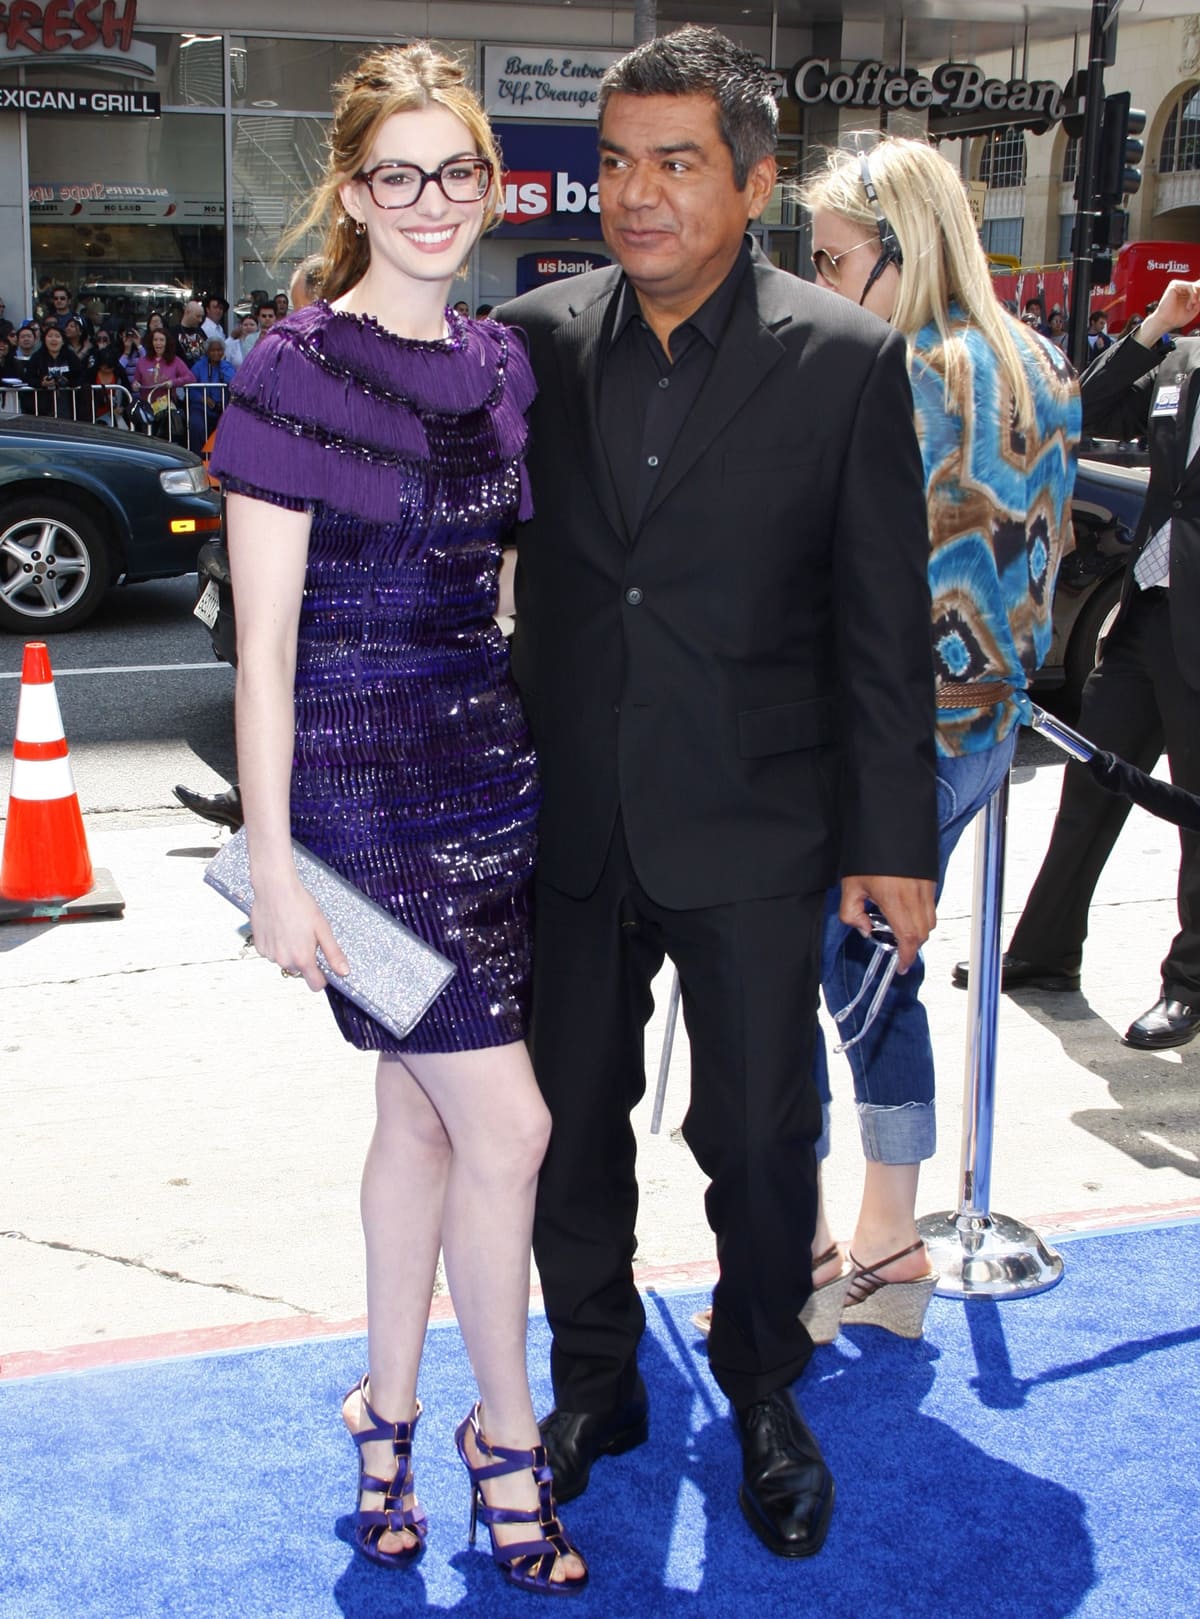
(329, 407)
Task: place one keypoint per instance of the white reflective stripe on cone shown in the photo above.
(38, 716)
(37, 780)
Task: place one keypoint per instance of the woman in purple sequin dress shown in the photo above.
(372, 453)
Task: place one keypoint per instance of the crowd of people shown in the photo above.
(169, 377)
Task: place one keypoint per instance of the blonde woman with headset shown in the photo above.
(997, 415)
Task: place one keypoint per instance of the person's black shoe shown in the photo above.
(574, 1439)
(787, 1491)
(223, 808)
(1167, 1023)
(1018, 974)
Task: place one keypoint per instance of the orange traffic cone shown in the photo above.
(46, 864)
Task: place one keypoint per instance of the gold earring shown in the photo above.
(360, 228)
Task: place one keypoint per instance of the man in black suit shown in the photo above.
(1145, 693)
(723, 645)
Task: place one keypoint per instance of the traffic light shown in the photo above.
(1120, 149)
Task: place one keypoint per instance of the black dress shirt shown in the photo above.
(646, 394)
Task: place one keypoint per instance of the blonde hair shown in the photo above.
(395, 79)
(925, 202)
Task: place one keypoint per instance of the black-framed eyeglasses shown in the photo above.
(399, 185)
(826, 263)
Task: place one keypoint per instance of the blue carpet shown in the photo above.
(1024, 1461)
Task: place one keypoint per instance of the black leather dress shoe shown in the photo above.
(223, 808)
(787, 1490)
(574, 1439)
(1167, 1023)
(1018, 974)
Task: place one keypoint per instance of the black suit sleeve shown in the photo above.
(884, 653)
(1117, 390)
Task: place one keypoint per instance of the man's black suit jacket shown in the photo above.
(1119, 391)
(748, 677)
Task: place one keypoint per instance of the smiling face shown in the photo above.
(856, 251)
(158, 343)
(670, 208)
(53, 340)
(430, 239)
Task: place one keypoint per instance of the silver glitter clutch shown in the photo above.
(394, 976)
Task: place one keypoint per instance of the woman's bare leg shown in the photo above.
(403, 1188)
(498, 1127)
(887, 1220)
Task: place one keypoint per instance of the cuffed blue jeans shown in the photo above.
(893, 1063)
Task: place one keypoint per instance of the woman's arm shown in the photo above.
(505, 602)
(268, 552)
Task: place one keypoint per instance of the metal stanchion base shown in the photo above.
(987, 1256)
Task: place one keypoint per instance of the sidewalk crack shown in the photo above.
(154, 1270)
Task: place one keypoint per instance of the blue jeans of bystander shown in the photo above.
(893, 1063)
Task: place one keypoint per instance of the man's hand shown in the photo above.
(906, 902)
(1177, 307)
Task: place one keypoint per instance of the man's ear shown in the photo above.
(760, 183)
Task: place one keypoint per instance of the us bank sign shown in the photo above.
(958, 96)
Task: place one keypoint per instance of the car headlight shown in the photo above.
(184, 480)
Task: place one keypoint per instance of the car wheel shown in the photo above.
(53, 565)
(1092, 625)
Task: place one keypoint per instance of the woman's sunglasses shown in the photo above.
(826, 263)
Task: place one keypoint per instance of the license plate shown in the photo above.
(209, 604)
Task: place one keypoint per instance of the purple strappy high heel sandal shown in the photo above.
(528, 1564)
(393, 1517)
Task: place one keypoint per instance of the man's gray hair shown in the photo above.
(700, 61)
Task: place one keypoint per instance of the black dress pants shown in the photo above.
(749, 975)
(1134, 702)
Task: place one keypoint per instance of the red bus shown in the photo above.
(1141, 271)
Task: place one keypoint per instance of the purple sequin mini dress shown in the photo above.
(413, 774)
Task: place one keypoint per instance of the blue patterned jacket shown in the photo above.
(999, 518)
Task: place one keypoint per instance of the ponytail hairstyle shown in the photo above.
(394, 79)
(926, 204)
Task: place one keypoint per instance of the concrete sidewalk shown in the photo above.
(184, 1129)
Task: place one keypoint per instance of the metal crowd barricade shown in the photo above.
(104, 404)
(191, 416)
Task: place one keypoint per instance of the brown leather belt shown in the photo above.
(980, 694)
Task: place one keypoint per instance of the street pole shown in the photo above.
(1086, 185)
(645, 20)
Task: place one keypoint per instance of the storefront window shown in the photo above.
(277, 165)
(188, 70)
(292, 73)
(297, 74)
(134, 201)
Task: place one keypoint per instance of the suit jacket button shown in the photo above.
(633, 596)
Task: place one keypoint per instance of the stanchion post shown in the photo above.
(664, 1061)
(976, 1253)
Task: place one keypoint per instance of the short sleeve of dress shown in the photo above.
(320, 414)
(248, 456)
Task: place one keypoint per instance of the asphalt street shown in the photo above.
(184, 1130)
